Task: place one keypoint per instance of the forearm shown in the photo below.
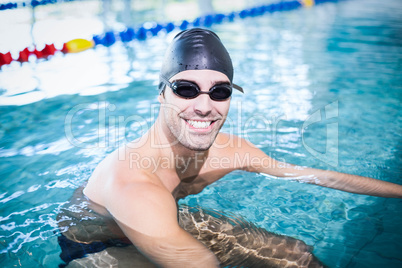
(147, 214)
(181, 250)
(342, 181)
(262, 163)
(360, 185)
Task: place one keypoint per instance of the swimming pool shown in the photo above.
(60, 117)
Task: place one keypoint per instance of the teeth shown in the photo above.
(199, 124)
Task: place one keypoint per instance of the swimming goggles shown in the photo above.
(190, 90)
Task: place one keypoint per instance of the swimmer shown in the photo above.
(130, 201)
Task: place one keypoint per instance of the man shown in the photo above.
(135, 203)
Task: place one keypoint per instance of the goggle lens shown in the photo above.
(190, 90)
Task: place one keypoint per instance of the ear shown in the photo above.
(161, 97)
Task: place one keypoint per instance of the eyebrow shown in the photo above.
(213, 83)
(220, 82)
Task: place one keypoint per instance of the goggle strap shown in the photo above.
(239, 88)
(164, 82)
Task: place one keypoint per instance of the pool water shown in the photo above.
(342, 61)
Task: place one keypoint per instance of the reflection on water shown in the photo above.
(88, 229)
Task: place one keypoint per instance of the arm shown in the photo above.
(147, 214)
(340, 181)
(326, 178)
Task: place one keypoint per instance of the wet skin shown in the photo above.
(137, 202)
(233, 240)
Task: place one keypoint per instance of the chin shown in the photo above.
(197, 147)
(201, 148)
(198, 144)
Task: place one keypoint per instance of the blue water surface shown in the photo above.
(338, 62)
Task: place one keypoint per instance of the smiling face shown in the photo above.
(194, 123)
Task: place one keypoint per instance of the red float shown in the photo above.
(24, 55)
(5, 58)
(49, 50)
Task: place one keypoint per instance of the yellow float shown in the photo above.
(78, 45)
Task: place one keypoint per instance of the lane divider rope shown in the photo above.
(33, 3)
(151, 29)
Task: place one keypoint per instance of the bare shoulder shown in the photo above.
(117, 169)
(142, 205)
(131, 195)
(242, 153)
(233, 143)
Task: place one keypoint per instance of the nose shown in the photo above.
(202, 105)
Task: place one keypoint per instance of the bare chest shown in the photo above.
(195, 184)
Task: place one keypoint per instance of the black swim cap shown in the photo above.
(196, 49)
